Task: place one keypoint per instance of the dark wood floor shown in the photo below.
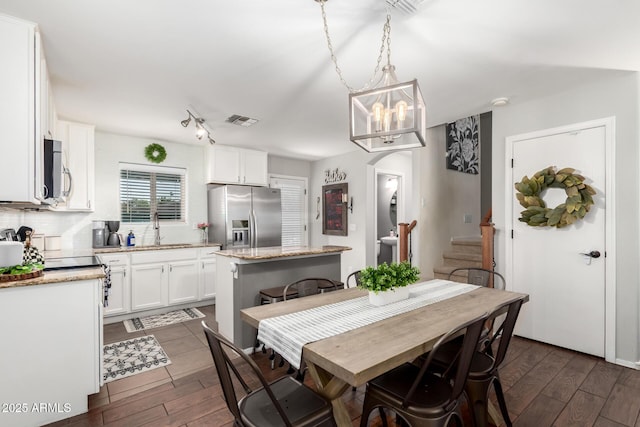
(544, 386)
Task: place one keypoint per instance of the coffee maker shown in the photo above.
(114, 239)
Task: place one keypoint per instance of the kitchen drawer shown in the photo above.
(114, 259)
(166, 255)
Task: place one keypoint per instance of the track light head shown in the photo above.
(186, 121)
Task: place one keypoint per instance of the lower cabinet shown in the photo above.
(183, 282)
(148, 286)
(146, 280)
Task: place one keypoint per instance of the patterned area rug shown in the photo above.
(125, 358)
(158, 320)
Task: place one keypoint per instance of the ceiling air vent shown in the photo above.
(241, 120)
(407, 6)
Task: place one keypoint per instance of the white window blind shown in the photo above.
(294, 209)
(145, 190)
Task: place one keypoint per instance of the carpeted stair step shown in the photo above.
(443, 272)
(469, 245)
(462, 259)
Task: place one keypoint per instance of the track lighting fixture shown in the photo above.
(201, 130)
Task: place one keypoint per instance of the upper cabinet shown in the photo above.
(78, 164)
(230, 165)
(20, 140)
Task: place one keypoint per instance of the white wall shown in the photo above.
(611, 94)
(111, 149)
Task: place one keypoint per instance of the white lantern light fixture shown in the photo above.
(390, 115)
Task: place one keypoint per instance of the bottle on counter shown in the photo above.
(131, 239)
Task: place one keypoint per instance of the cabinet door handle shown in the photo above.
(66, 171)
(124, 273)
(163, 268)
(170, 268)
(203, 265)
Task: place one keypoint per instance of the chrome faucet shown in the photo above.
(156, 228)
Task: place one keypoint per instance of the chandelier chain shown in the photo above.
(386, 40)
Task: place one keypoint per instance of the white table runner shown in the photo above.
(287, 334)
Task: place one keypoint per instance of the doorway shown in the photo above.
(572, 295)
(388, 197)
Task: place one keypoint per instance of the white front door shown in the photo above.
(567, 289)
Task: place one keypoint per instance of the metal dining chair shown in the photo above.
(478, 276)
(353, 279)
(420, 397)
(308, 286)
(284, 401)
(484, 366)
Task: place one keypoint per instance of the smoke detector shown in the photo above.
(239, 120)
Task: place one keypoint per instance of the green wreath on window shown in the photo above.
(537, 214)
(155, 153)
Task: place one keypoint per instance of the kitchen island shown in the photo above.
(51, 345)
(242, 273)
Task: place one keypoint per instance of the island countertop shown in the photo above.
(277, 252)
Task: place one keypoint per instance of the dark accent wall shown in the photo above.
(485, 162)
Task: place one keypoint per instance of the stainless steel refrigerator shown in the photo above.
(245, 217)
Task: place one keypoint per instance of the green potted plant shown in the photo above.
(387, 283)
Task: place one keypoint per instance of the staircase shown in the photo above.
(462, 253)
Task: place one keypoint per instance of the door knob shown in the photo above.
(592, 254)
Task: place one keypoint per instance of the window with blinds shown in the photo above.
(145, 190)
(294, 209)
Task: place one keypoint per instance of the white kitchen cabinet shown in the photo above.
(149, 286)
(164, 277)
(254, 166)
(20, 140)
(230, 165)
(208, 273)
(48, 116)
(183, 282)
(78, 142)
(149, 280)
(119, 301)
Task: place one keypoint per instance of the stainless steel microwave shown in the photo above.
(52, 161)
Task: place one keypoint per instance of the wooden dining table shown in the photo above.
(355, 357)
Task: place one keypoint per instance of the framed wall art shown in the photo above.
(334, 209)
(463, 138)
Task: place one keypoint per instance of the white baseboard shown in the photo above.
(628, 364)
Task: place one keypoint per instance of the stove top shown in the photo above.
(71, 262)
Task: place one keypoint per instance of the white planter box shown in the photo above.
(388, 297)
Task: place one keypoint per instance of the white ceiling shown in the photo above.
(134, 66)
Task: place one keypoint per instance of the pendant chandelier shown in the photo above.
(388, 115)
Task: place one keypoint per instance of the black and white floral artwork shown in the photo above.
(463, 138)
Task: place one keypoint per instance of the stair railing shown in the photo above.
(487, 231)
(403, 239)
